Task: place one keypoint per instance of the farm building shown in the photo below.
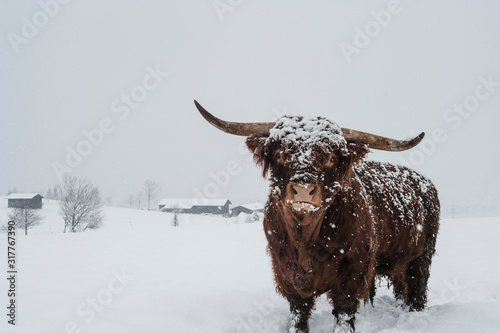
(192, 206)
(25, 200)
(247, 209)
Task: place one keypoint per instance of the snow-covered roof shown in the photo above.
(254, 206)
(22, 195)
(189, 203)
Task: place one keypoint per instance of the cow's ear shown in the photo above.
(257, 146)
(357, 152)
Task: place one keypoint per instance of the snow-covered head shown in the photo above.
(307, 158)
(300, 141)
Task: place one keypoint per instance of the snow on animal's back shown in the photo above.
(398, 188)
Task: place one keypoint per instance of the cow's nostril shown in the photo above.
(294, 190)
(313, 191)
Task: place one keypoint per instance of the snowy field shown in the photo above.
(139, 274)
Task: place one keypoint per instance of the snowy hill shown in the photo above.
(210, 274)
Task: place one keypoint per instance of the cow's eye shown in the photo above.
(332, 160)
(278, 157)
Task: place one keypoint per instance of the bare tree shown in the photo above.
(49, 194)
(55, 192)
(176, 210)
(151, 191)
(175, 221)
(138, 198)
(131, 200)
(11, 190)
(25, 218)
(80, 204)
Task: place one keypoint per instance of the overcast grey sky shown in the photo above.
(106, 88)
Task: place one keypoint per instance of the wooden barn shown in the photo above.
(191, 206)
(25, 200)
(247, 209)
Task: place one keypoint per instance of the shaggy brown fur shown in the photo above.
(377, 220)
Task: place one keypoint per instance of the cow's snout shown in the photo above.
(303, 193)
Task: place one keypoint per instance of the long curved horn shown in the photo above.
(380, 142)
(242, 129)
(372, 140)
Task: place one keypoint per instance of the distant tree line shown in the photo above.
(148, 194)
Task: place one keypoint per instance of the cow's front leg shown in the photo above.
(300, 311)
(344, 310)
